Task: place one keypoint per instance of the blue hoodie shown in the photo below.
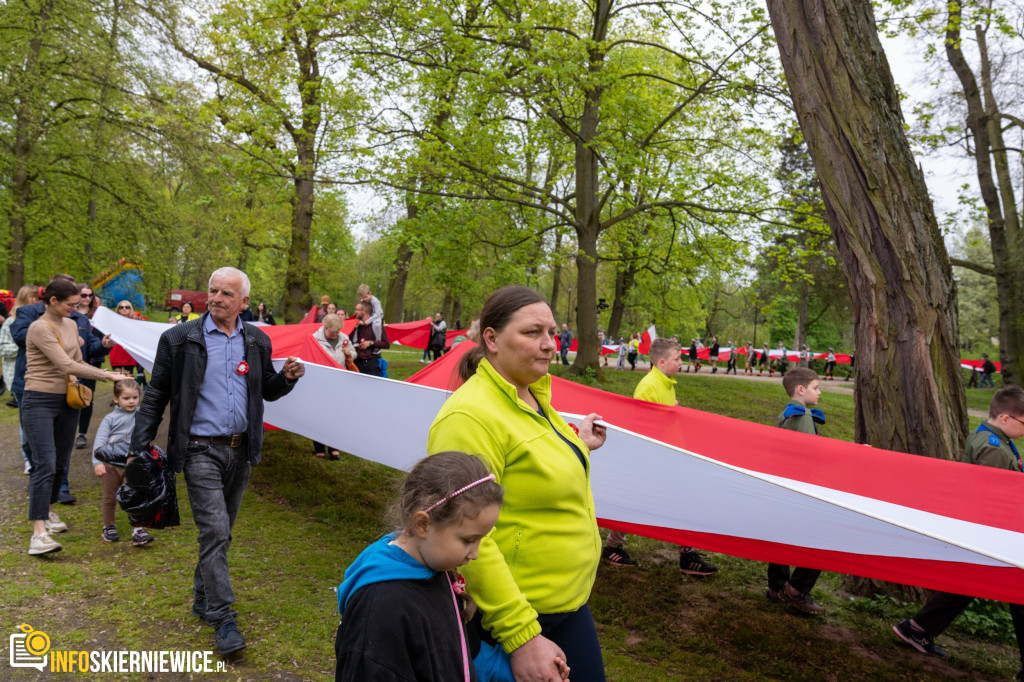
(378, 563)
(384, 562)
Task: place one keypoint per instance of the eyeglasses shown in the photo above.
(124, 307)
(86, 295)
(1015, 419)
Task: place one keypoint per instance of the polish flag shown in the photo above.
(699, 479)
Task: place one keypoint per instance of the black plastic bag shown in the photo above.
(148, 494)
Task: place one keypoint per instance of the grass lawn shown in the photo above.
(304, 520)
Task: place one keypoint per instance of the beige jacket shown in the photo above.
(48, 362)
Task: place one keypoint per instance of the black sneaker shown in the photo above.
(800, 600)
(917, 638)
(229, 639)
(110, 534)
(80, 442)
(691, 563)
(140, 537)
(617, 556)
(67, 498)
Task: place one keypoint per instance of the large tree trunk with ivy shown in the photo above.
(909, 394)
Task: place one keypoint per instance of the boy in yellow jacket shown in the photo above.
(658, 387)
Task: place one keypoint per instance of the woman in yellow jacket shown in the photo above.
(537, 567)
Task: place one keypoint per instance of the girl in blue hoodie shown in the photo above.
(404, 609)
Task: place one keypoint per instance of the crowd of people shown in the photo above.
(489, 570)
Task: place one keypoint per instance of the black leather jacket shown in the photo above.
(178, 373)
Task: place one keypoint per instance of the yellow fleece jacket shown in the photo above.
(656, 387)
(543, 553)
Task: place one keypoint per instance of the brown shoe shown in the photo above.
(801, 601)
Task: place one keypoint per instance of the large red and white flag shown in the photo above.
(700, 479)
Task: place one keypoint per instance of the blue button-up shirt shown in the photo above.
(223, 402)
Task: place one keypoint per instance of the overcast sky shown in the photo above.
(945, 171)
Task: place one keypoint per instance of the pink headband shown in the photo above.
(489, 477)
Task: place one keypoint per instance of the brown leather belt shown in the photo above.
(235, 441)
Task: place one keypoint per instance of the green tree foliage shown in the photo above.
(279, 97)
(633, 128)
(977, 305)
(978, 110)
(801, 285)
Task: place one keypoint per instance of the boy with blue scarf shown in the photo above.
(802, 386)
(991, 445)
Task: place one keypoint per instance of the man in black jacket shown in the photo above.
(215, 372)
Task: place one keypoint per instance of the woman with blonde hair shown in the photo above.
(9, 353)
(120, 359)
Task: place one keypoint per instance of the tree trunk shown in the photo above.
(97, 140)
(909, 394)
(456, 320)
(800, 337)
(625, 275)
(395, 303)
(588, 205)
(296, 277)
(446, 304)
(25, 136)
(983, 123)
(556, 273)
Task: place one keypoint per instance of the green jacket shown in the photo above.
(543, 553)
(990, 447)
(804, 423)
(656, 387)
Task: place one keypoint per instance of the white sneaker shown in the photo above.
(55, 525)
(43, 544)
(28, 468)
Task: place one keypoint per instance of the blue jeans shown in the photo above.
(802, 579)
(216, 477)
(50, 425)
(988, 378)
(574, 632)
(565, 355)
(26, 451)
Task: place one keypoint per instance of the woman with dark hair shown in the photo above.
(537, 567)
(52, 353)
(187, 313)
(264, 315)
